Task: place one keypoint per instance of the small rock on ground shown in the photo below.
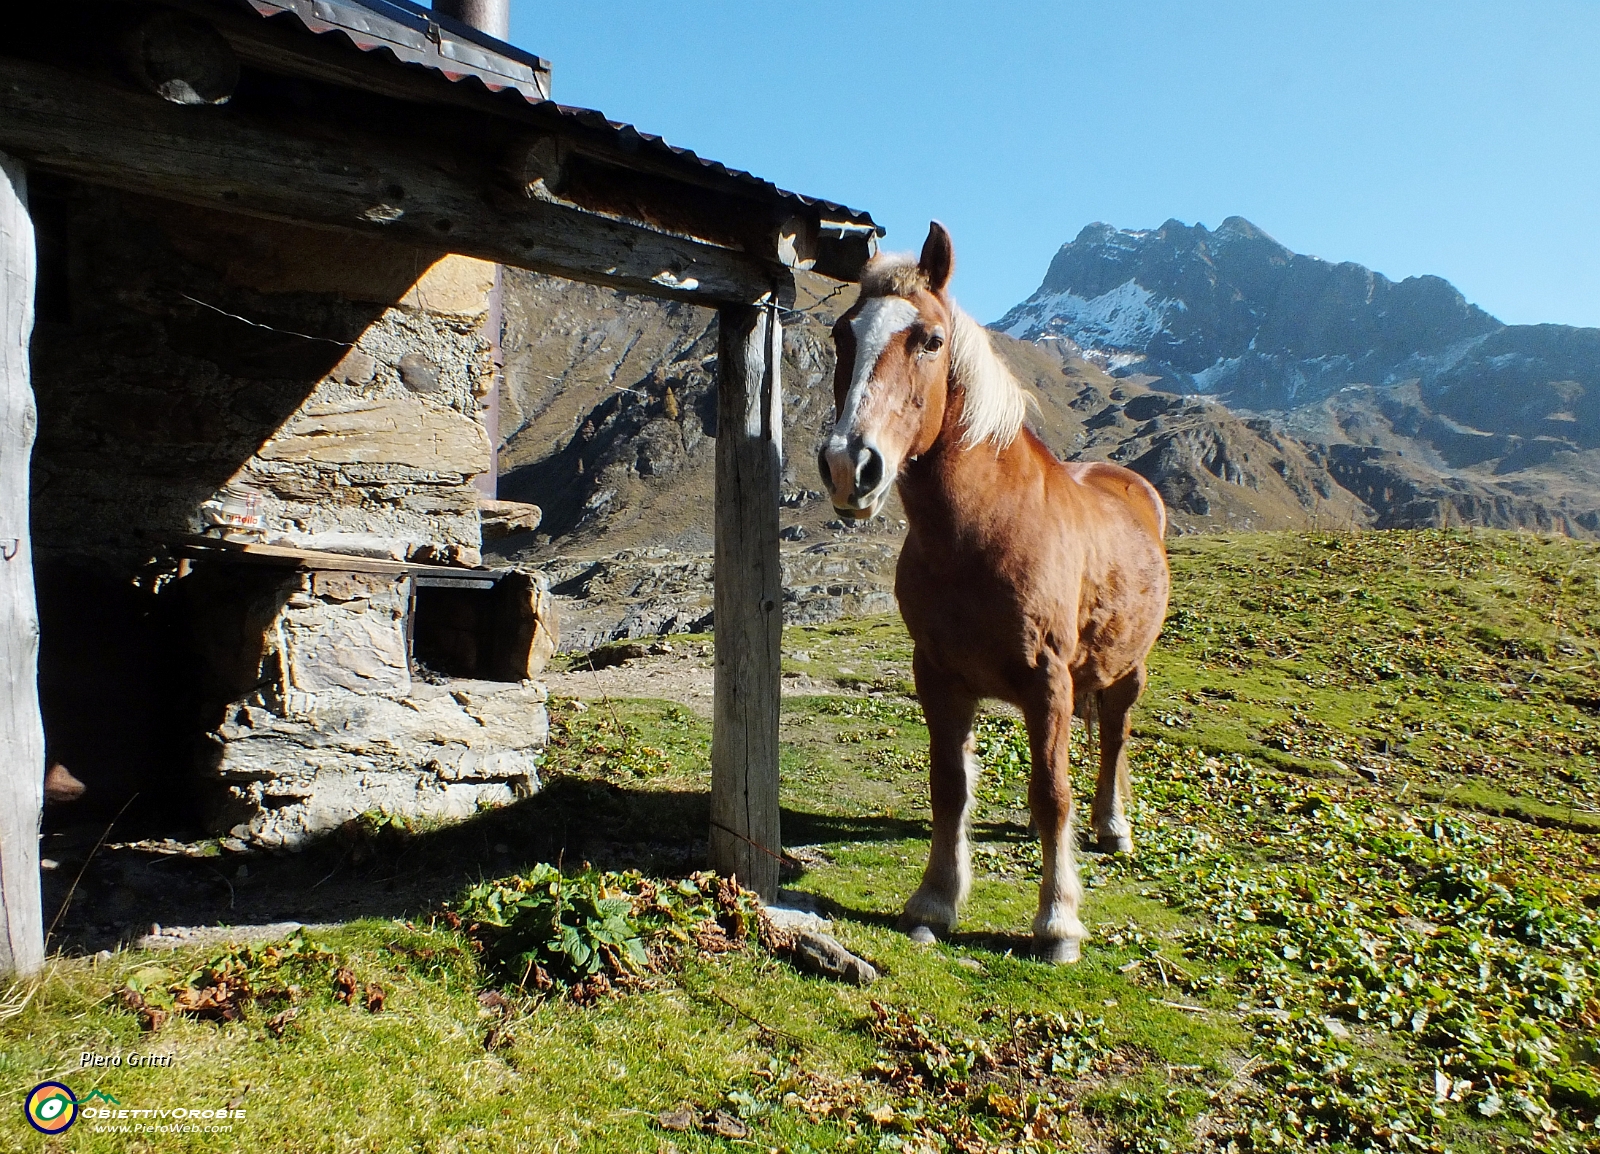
(822, 954)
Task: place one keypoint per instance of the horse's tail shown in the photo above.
(1087, 707)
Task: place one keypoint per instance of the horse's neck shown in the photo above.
(951, 491)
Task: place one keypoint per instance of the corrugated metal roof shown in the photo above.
(415, 35)
(418, 35)
(629, 138)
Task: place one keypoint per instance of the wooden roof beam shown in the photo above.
(406, 188)
(272, 47)
(552, 167)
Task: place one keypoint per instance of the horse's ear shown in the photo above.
(938, 257)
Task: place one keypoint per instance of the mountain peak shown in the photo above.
(1418, 402)
(1097, 233)
(1214, 312)
(1239, 226)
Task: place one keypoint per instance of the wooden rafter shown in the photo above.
(415, 190)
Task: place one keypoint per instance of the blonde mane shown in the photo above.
(996, 403)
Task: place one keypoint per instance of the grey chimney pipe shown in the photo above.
(491, 16)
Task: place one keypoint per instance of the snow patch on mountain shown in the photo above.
(1207, 378)
(1126, 317)
(1427, 366)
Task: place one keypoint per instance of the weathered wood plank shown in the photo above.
(211, 548)
(21, 730)
(222, 158)
(748, 599)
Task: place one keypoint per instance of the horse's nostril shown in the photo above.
(870, 474)
(822, 467)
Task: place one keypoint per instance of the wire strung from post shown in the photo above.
(816, 304)
(735, 833)
(259, 325)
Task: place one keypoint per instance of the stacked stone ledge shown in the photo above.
(338, 724)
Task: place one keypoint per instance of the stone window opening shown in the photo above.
(488, 627)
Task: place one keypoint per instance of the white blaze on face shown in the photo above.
(874, 327)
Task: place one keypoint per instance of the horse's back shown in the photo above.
(1126, 487)
(1120, 600)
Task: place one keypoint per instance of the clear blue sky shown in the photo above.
(1461, 139)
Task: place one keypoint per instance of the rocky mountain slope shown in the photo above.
(1423, 406)
(609, 417)
(611, 413)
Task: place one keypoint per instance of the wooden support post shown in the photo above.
(21, 730)
(748, 598)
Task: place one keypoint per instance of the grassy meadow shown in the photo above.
(1360, 914)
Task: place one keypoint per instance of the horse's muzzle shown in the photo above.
(854, 476)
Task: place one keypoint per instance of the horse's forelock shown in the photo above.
(895, 274)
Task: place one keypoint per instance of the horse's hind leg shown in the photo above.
(1112, 790)
(1056, 928)
(952, 767)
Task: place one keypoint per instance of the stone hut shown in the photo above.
(340, 651)
(249, 252)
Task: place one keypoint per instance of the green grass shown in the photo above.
(1295, 956)
(1464, 663)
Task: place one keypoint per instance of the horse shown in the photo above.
(1022, 578)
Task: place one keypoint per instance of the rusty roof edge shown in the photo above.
(459, 30)
(416, 37)
(413, 36)
(593, 120)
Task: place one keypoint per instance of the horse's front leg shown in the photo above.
(1056, 928)
(952, 768)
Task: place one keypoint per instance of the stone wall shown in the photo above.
(323, 719)
(441, 752)
(180, 350)
(343, 378)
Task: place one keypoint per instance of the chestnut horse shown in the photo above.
(1022, 578)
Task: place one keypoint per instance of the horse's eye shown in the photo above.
(935, 342)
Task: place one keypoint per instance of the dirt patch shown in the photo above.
(684, 674)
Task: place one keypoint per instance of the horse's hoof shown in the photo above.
(1115, 843)
(922, 935)
(1058, 951)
